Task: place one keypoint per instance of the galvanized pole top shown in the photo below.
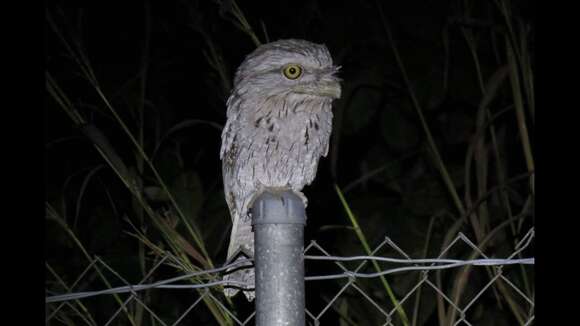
(278, 208)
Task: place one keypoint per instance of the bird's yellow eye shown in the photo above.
(292, 71)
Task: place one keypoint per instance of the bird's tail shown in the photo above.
(241, 247)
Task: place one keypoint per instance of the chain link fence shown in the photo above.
(429, 290)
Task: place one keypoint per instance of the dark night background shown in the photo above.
(165, 69)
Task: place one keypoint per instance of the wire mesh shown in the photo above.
(100, 295)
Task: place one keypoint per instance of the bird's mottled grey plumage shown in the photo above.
(276, 131)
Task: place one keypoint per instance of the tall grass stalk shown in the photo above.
(431, 142)
(478, 153)
(360, 234)
(131, 180)
(53, 215)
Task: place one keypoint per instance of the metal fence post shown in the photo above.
(279, 219)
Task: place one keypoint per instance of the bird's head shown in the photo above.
(294, 69)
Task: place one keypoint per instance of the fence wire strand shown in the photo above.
(213, 279)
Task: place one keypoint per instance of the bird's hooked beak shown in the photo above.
(329, 88)
(328, 85)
